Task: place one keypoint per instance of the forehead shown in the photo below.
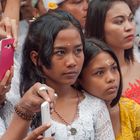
(67, 36)
(101, 59)
(119, 8)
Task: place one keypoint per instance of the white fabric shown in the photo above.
(137, 20)
(45, 3)
(2, 127)
(13, 95)
(6, 113)
(93, 122)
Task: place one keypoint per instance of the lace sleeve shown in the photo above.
(103, 126)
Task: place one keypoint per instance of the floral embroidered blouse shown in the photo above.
(133, 92)
(130, 120)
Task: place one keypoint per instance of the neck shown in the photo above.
(120, 55)
(63, 91)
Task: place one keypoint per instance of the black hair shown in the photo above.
(40, 38)
(92, 48)
(95, 22)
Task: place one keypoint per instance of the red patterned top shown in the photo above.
(133, 92)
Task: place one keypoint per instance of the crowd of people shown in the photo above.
(85, 52)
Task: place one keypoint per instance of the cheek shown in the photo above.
(81, 60)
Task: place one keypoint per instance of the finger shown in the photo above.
(38, 131)
(8, 26)
(10, 76)
(42, 93)
(5, 78)
(52, 94)
(2, 33)
(14, 31)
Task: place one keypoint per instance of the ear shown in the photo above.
(34, 57)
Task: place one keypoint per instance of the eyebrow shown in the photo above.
(102, 67)
(121, 16)
(62, 47)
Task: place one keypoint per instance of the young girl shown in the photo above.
(53, 55)
(113, 22)
(101, 77)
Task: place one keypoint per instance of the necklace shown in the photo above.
(71, 130)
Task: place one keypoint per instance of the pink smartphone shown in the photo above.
(6, 55)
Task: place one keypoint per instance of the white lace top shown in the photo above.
(93, 122)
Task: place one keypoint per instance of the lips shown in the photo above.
(112, 89)
(71, 74)
(130, 37)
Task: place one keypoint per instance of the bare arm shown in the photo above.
(29, 104)
(12, 9)
(17, 129)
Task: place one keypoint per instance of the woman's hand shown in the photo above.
(5, 84)
(36, 134)
(36, 95)
(8, 28)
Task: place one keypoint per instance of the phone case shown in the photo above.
(46, 117)
(6, 55)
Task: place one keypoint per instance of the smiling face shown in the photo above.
(78, 8)
(119, 26)
(101, 77)
(67, 59)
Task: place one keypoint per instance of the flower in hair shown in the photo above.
(52, 5)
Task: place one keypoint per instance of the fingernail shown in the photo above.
(9, 36)
(49, 100)
(7, 72)
(55, 95)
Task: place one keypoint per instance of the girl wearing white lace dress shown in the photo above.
(53, 55)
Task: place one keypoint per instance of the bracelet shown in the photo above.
(23, 113)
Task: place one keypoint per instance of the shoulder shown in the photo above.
(94, 101)
(129, 107)
(94, 105)
(136, 66)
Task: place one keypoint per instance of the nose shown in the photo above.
(71, 60)
(110, 78)
(85, 6)
(129, 26)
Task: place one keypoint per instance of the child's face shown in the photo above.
(101, 77)
(67, 59)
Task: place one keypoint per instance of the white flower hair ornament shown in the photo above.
(51, 4)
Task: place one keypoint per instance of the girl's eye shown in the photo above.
(131, 19)
(114, 68)
(59, 52)
(119, 21)
(78, 1)
(99, 73)
(78, 51)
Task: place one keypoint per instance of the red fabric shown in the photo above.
(133, 92)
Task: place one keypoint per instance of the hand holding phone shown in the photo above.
(46, 117)
(6, 55)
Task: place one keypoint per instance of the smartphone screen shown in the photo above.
(6, 55)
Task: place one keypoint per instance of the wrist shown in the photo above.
(24, 113)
